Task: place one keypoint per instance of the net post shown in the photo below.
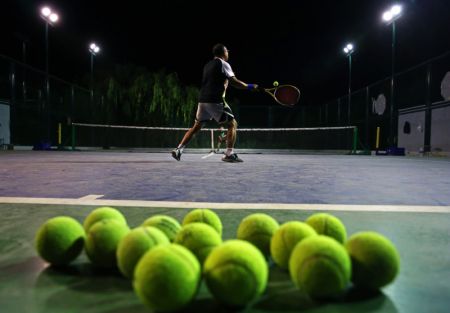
(355, 139)
(59, 134)
(212, 140)
(73, 137)
(377, 142)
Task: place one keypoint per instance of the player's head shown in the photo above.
(220, 51)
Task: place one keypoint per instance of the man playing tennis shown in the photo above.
(217, 73)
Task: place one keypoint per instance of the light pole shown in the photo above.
(390, 16)
(94, 50)
(50, 18)
(348, 50)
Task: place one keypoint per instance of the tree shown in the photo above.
(135, 96)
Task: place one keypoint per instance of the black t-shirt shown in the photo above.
(215, 81)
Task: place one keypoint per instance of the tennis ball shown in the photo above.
(275, 84)
(286, 238)
(204, 216)
(199, 238)
(320, 266)
(258, 229)
(102, 241)
(167, 278)
(135, 244)
(236, 273)
(168, 225)
(328, 225)
(375, 260)
(103, 213)
(60, 240)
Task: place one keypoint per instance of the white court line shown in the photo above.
(91, 197)
(236, 206)
(208, 155)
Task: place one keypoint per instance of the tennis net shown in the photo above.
(342, 138)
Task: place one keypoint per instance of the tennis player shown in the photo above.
(217, 74)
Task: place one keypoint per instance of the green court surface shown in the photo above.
(28, 284)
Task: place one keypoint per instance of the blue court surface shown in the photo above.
(261, 178)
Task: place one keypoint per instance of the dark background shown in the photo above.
(297, 42)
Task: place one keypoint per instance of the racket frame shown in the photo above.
(272, 92)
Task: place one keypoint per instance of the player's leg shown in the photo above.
(203, 114)
(231, 136)
(230, 155)
(176, 153)
(222, 114)
(190, 133)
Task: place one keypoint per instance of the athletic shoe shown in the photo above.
(176, 154)
(232, 158)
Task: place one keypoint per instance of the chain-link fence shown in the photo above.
(36, 111)
(423, 88)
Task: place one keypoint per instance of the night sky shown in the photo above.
(297, 42)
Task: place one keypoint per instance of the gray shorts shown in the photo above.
(220, 112)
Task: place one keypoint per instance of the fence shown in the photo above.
(424, 88)
(36, 111)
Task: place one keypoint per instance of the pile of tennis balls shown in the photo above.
(167, 261)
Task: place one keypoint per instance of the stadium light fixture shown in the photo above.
(94, 50)
(50, 17)
(390, 17)
(349, 49)
(392, 14)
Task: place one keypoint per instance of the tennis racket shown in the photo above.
(286, 95)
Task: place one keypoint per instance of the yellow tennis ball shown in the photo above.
(375, 260)
(168, 225)
(103, 213)
(206, 216)
(236, 273)
(286, 238)
(258, 229)
(199, 238)
(275, 84)
(60, 240)
(167, 278)
(102, 241)
(320, 266)
(328, 225)
(135, 244)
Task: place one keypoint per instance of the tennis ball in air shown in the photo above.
(328, 225)
(236, 273)
(258, 229)
(375, 260)
(60, 240)
(286, 238)
(103, 213)
(275, 84)
(167, 278)
(199, 238)
(168, 225)
(135, 244)
(102, 241)
(204, 216)
(320, 266)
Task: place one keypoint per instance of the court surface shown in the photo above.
(406, 199)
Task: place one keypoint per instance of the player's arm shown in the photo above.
(236, 83)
